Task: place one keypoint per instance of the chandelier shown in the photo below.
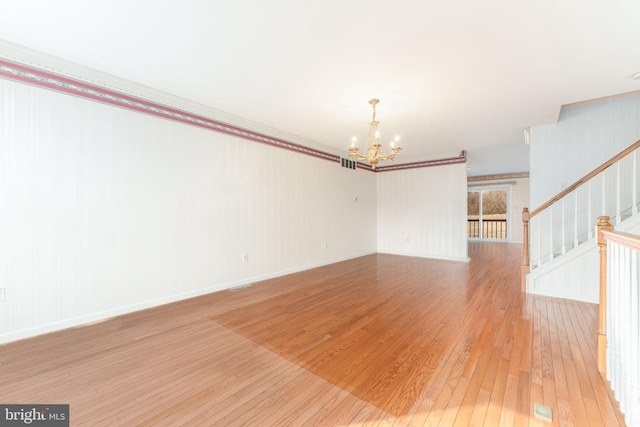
(373, 148)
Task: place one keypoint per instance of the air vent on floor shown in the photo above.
(240, 288)
(346, 163)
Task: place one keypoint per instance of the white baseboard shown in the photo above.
(118, 311)
(421, 255)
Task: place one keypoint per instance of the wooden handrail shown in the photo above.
(631, 241)
(585, 178)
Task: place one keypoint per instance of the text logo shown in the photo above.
(34, 415)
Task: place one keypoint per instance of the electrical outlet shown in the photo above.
(245, 257)
(325, 245)
(2, 295)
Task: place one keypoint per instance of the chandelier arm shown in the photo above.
(358, 156)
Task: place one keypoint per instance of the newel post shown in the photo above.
(525, 249)
(603, 225)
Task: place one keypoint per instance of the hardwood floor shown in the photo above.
(379, 340)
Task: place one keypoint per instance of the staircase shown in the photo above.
(560, 250)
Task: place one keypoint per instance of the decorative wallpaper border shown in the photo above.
(35, 77)
(514, 175)
(461, 158)
(46, 80)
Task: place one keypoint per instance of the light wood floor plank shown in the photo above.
(381, 340)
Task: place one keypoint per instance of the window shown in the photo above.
(487, 214)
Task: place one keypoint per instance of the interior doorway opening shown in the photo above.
(487, 214)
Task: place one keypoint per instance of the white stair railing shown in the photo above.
(619, 348)
(566, 220)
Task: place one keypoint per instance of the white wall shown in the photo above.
(423, 212)
(586, 135)
(104, 211)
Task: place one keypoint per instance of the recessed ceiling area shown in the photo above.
(450, 76)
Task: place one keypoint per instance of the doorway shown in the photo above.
(487, 214)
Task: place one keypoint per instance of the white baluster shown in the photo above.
(604, 193)
(618, 190)
(539, 239)
(589, 214)
(635, 343)
(562, 232)
(612, 286)
(625, 317)
(634, 184)
(551, 233)
(575, 220)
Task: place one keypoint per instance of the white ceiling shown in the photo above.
(451, 76)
